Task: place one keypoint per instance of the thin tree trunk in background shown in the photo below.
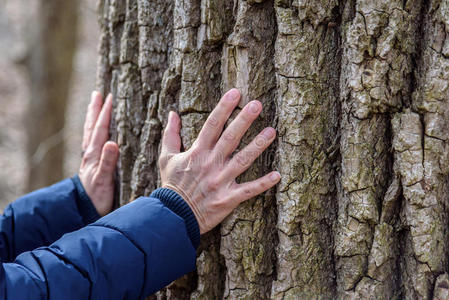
(358, 91)
(51, 49)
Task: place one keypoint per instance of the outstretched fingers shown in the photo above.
(232, 135)
(253, 188)
(100, 134)
(245, 158)
(217, 119)
(93, 110)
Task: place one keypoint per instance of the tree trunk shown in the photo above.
(51, 47)
(358, 91)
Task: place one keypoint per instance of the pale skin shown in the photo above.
(204, 175)
(100, 155)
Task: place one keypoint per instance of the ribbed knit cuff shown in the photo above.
(85, 206)
(176, 203)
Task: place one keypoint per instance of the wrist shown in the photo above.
(196, 211)
(85, 205)
(176, 203)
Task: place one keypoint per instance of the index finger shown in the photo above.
(101, 132)
(213, 126)
(93, 110)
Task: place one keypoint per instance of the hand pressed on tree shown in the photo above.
(205, 174)
(99, 155)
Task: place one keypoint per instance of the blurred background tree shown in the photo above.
(51, 45)
(47, 72)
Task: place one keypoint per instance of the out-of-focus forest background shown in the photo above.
(18, 20)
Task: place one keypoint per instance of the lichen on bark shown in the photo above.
(357, 90)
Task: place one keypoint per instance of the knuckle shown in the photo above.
(107, 159)
(260, 142)
(229, 136)
(242, 159)
(105, 169)
(194, 153)
(103, 126)
(247, 116)
(248, 191)
(263, 185)
(213, 185)
(212, 122)
(207, 166)
(219, 158)
(89, 152)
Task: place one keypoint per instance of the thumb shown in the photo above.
(108, 160)
(171, 140)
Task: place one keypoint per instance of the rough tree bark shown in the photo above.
(358, 91)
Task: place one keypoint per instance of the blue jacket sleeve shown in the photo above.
(128, 254)
(40, 218)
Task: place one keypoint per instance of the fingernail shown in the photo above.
(110, 151)
(254, 107)
(275, 176)
(170, 116)
(268, 132)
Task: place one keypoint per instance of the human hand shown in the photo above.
(205, 174)
(99, 156)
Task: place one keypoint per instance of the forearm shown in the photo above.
(41, 217)
(131, 253)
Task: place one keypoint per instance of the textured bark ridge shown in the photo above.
(358, 91)
(247, 242)
(379, 43)
(307, 64)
